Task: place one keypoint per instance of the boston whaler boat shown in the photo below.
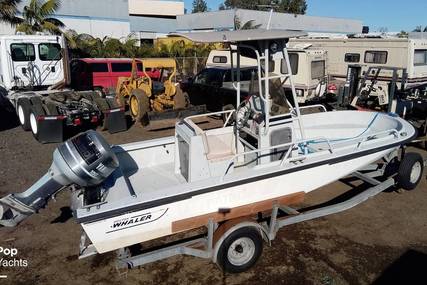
(265, 157)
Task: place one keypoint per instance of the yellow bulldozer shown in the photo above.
(152, 87)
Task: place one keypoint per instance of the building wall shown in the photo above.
(98, 18)
(154, 16)
(225, 20)
(156, 7)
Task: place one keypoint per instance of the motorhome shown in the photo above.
(308, 69)
(366, 52)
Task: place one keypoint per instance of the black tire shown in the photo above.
(112, 103)
(103, 106)
(23, 108)
(239, 240)
(36, 111)
(142, 103)
(50, 108)
(410, 171)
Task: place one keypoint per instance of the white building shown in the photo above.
(149, 19)
(98, 18)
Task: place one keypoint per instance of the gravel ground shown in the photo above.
(383, 241)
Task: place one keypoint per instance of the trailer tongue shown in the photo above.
(85, 160)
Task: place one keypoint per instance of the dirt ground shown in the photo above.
(383, 241)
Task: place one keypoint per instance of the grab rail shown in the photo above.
(309, 107)
(291, 145)
(305, 143)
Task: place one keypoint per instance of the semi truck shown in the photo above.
(34, 75)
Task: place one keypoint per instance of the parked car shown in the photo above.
(102, 73)
(213, 87)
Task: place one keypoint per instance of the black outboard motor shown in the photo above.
(85, 160)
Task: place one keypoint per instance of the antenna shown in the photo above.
(271, 6)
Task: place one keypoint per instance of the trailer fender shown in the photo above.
(224, 230)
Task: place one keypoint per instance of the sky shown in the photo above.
(394, 15)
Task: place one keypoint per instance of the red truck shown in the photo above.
(102, 73)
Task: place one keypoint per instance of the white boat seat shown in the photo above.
(219, 144)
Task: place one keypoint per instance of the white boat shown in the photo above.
(165, 186)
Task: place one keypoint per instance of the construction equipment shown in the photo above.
(143, 94)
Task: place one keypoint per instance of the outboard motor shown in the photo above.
(85, 160)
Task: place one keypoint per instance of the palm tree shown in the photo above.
(249, 25)
(8, 11)
(420, 29)
(37, 18)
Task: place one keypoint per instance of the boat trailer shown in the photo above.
(209, 244)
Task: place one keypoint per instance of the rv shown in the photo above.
(308, 69)
(364, 53)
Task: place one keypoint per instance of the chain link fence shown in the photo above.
(189, 66)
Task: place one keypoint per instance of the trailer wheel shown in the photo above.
(35, 112)
(23, 110)
(139, 105)
(240, 250)
(410, 171)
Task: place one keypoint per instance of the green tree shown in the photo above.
(37, 17)
(199, 6)
(8, 11)
(284, 6)
(249, 25)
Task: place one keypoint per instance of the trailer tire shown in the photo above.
(410, 171)
(35, 112)
(139, 105)
(23, 110)
(240, 250)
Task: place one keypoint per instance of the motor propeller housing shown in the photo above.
(85, 160)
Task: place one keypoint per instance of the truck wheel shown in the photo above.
(35, 112)
(23, 110)
(103, 106)
(50, 108)
(240, 250)
(410, 171)
(139, 105)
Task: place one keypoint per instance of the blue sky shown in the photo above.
(394, 15)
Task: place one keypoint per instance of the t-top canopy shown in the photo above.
(238, 35)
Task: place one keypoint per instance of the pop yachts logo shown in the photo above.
(137, 220)
(8, 258)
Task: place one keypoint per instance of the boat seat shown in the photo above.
(219, 144)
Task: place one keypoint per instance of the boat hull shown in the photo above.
(182, 215)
